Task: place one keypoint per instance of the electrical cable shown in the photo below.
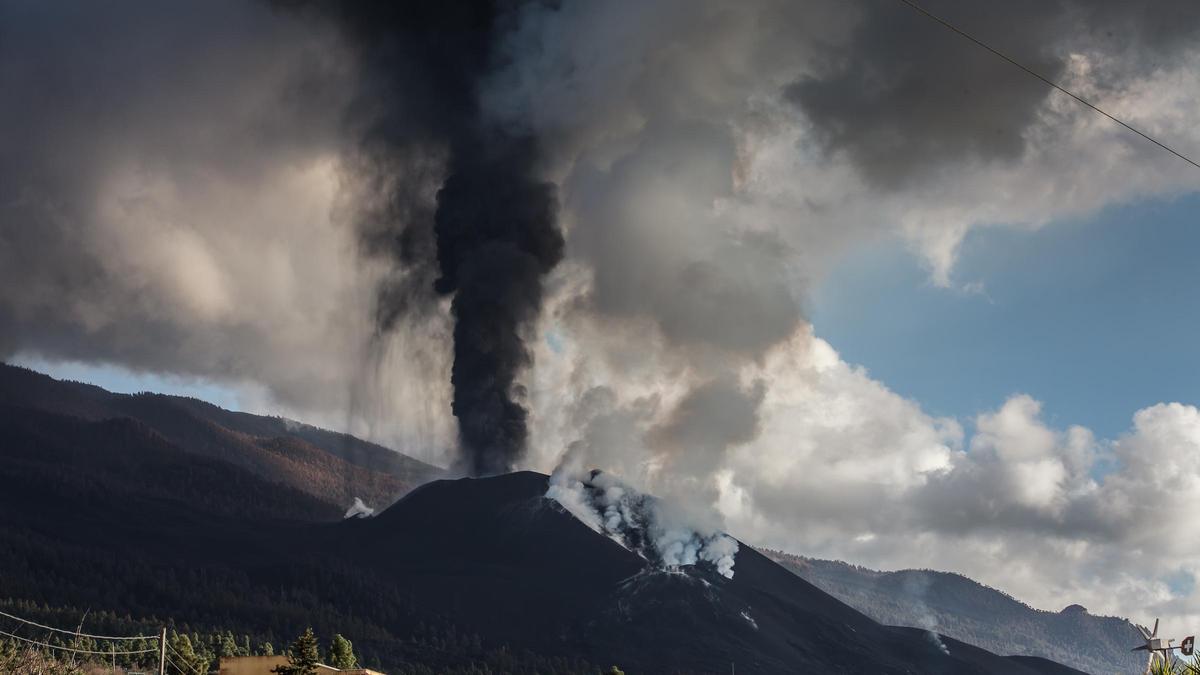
(71, 632)
(175, 666)
(183, 659)
(1047, 81)
(73, 649)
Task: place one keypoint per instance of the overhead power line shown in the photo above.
(176, 666)
(49, 645)
(1047, 81)
(77, 634)
(181, 657)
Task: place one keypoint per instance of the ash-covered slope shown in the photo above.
(495, 554)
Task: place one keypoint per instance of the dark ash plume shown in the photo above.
(497, 237)
(491, 234)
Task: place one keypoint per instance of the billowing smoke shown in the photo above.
(490, 234)
(166, 206)
(653, 529)
(496, 240)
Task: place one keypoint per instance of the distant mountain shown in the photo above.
(966, 610)
(332, 467)
(67, 470)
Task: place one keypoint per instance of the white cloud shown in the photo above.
(845, 468)
(173, 202)
(1020, 509)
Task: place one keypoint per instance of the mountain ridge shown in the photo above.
(967, 610)
(329, 466)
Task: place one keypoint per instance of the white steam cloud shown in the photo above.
(662, 535)
(916, 587)
(359, 510)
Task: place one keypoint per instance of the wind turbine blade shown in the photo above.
(1155, 633)
(1143, 630)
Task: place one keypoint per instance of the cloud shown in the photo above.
(842, 467)
(907, 100)
(189, 191)
(700, 277)
(171, 200)
(1016, 471)
(847, 469)
(901, 112)
(759, 148)
(844, 127)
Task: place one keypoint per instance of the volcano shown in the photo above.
(497, 555)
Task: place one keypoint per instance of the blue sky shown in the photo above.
(1096, 317)
(126, 381)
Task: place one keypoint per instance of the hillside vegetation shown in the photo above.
(331, 467)
(959, 607)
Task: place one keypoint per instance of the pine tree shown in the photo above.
(341, 653)
(303, 656)
(184, 655)
(227, 646)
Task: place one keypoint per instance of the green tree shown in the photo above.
(227, 646)
(8, 653)
(615, 671)
(184, 656)
(266, 649)
(341, 653)
(303, 656)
